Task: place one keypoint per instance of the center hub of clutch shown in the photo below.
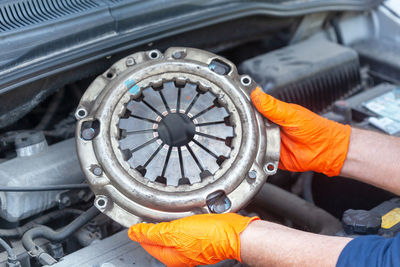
(176, 129)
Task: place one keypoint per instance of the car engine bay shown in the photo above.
(127, 127)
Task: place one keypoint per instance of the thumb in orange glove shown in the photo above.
(196, 240)
(308, 141)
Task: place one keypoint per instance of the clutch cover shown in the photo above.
(163, 136)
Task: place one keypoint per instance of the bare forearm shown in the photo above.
(268, 244)
(373, 158)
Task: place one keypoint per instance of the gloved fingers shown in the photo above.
(151, 234)
(168, 256)
(275, 110)
(308, 141)
(194, 240)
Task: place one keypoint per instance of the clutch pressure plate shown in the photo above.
(163, 136)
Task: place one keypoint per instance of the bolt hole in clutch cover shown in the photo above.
(164, 136)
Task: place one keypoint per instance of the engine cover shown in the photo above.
(164, 136)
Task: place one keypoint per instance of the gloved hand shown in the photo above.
(308, 141)
(196, 240)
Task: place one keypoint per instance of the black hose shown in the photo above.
(8, 249)
(51, 110)
(296, 209)
(19, 231)
(43, 188)
(54, 236)
(336, 29)
(307, 185)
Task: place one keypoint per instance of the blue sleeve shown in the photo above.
(371, 251)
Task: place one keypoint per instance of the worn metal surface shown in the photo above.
(162, 174)
(58, 164)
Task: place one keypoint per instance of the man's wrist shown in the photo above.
(246, 240)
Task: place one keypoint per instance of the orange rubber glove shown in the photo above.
(195, 240)
(308, 142)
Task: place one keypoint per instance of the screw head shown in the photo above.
(130, 61)
(252, 174)
(97, 171)
(88, 133)
(218, 202)
(177, 54)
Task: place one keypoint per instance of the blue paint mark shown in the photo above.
(134, 90)
(129, 83)
(132, 86)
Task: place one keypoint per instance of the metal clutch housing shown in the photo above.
(162, 136)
